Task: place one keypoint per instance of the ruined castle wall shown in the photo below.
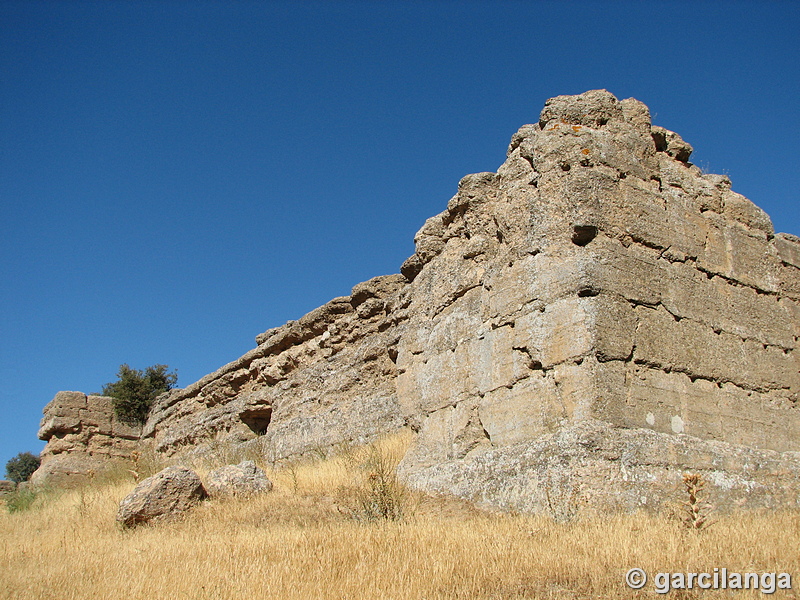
(599, 310)
(598, 276)
(83, 435)
(310, 384)
(75, 420)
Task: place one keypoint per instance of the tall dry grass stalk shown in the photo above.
(696, 508)
(296, 543)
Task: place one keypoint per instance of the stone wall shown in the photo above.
(311, 384)
(600, 280)
(83, 437)
(572, 333)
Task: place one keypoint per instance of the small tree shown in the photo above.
(135, 391)
(21, 467)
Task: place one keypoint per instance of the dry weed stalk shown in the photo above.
(383, 496)
(135, 456)
(377, 495)
(696, 508)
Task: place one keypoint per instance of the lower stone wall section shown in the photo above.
(593, 467)
(84, 438)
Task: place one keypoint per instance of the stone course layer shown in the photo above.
(573, 332)
(84, 437)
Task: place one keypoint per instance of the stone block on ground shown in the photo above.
(243, 479)
(167, 493)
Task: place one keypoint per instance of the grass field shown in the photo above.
(311, 538)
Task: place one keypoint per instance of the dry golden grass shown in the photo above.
(302, 542)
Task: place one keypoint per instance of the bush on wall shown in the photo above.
(135, 391)
(21, 467)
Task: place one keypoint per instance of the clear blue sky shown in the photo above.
(176, 177)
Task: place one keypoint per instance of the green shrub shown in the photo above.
(21, 467)
(135, 391)
(20, 500)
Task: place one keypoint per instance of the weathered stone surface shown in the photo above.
(638, 293)
(237, 480)
(671, 143)
(69, 468)
(599, 310)
(167, 493)
(6, 487)
(788, 247)
(82, 433)
(592, 467)
(323, 380)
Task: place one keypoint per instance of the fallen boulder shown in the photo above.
(169, 492)
(238, 480)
